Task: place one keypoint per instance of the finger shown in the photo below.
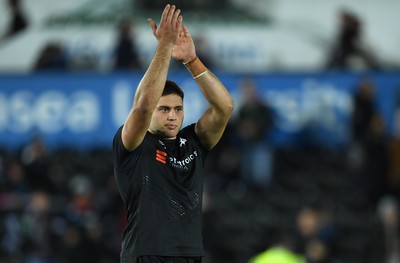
(153, 25)
(185, 31)
(171, 13)
(181, 33)
(164, 15)
(179, 22)
(176, 15)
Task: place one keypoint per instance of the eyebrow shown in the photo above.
(168, 107)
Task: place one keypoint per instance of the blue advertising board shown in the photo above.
(84, 110)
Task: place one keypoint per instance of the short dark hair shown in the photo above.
(172, 88)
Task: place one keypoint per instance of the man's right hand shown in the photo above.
(167, 32)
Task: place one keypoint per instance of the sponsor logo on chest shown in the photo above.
(181, 163)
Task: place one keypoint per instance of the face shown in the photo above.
(167, 117)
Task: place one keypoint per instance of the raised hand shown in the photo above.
(167, 32)
(184, 49)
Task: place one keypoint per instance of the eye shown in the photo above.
(179, 109)
(163, 109)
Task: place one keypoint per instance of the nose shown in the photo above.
(172, 115)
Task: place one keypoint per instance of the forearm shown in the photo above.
(215, 93)
(152, 84)
(212, 88)
(212, 123)
(146, 98)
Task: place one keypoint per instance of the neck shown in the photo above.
(159, 134)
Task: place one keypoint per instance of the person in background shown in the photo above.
(349, 51)
(369, 154)
(159, 167)
(18, 21)
(364, 100)
(126, 56)
(252, 125)
(384, 242)
(52, 57)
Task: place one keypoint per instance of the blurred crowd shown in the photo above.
(261, 203)
(58, 206)
(347, 50)
(332, 205)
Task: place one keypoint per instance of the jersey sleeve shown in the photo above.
(124, 164)
(120, 152)
(122, 157)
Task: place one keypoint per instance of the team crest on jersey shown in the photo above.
(181, 163)
(182, 142)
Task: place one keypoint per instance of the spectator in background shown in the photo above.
(311, 242)
(40, 240)
(349, 51)
(18, 21)
(376, 159)
(389, 213)
(384, 246)
(369, 153)
(277, 254)
(364, 108)
(15, 179)
(36, 161)
(252, 124)
(126, 55)
(51, 57)
(315, 234)
(367, 137)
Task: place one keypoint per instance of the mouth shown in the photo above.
(171, 126)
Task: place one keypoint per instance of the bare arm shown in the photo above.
(152, 84)
(212, 123)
